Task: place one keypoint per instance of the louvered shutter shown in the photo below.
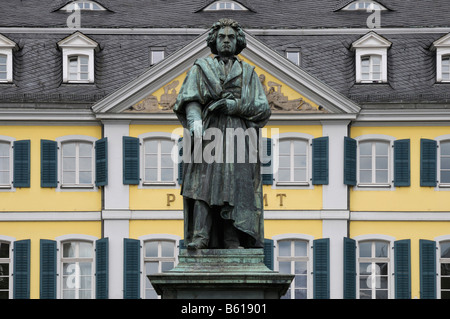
(321, 272)
(132, 272)
(48, 269)
(349, 268)
(402, 271)
(101, 162)
(402, 176)
(101, 268)
(427, 269)
(267, 167)
(21, 270)
(428, 163)
(320, 161)
(350, 161)
(49, 163)
(130, 160)
(268, 253)
(180, 158)
(21, 169)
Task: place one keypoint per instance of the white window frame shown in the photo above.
(156, 237)
(78, 72)
(233, 6)
(390, 271)
(75, 5)
(358, 6)
(308, 259)
(158, 184)
(289, 51)
(6, 48)
(78, 45)
(73, 139)
(439, 260)
(440, 55)
(439, 140)
(9, 240)
(153, 52)
(59, 253)
(307, 138)
(376, 138)
(10, 141)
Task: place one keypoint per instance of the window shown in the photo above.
(83, 5)
(293, 159)
(3, 67)
(374, 162)
(293, 257)
(77, 164)
(79, 68)
(78, 58)
(373, 266)
(5, 164)
(363, 5)
(444, 265)
(77, 270)
(224, 5)
(445, 68)
(371, 68)
(156, 55)
(371, 58)
(159, 256)
(158, 165)
(6, 59)
(293, 56)
(444, 163)
(5, 270)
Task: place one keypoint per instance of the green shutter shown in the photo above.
(132, 269)
(21, 271)
(101, 268)
(180, 158)
(21, 163)
(349, 268)
(130, 160)
(48, 269)
(428, 162)
(268, 253)
(101, 162)
(267, 167)
(321, 272)
(49, 163)
(320, 161)
(402, 175)
(402, 271)
(349, 161)
(427, 269)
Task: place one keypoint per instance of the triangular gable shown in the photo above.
(6, 43)
(371, 40)
(295, 89)
(442, 42)
(78, 40)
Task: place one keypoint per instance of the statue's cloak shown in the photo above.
(233, 190)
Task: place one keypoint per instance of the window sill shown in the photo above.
(375, 185)
(78, 186)
(158, 184)
(5, 186)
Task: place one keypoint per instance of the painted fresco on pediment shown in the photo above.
(281, 98)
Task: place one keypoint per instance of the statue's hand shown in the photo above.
(227, 106)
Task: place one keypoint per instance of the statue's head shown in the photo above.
(226, 28)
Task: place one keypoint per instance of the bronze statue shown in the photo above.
(223, 201)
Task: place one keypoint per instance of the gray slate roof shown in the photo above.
(121, 58)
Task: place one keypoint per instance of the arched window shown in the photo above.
(225, 5)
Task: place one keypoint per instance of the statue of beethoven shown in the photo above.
(223, 201)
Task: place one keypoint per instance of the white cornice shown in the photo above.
(404, 115)
(15, 114)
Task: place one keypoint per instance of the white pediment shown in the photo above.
(77, 40)
(443, 42)
(371, 40)
(167, 72)
(6, 43)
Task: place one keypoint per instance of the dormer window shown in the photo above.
(442, 48)
(83, 5)
(363, 6)
(6, 59)
(225, 5)
(371, 58)
(78, 58)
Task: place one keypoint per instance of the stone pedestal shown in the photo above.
(221, 274)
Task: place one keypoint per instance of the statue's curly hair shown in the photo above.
(241, 43)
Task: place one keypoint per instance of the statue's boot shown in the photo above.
(202, 226)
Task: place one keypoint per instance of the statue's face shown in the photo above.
(226, 42)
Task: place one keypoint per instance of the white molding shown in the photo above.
(50, 216)
(399, 216)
